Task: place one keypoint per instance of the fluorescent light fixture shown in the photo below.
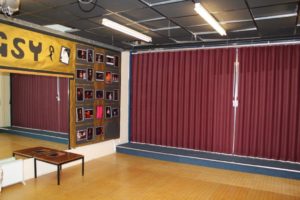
(209, 19)
(61, 28)
(126, 30)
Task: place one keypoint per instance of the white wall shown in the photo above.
(98, 150)
(4, 99)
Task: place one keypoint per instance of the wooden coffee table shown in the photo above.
(51, 156)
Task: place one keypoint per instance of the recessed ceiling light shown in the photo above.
(61, 28)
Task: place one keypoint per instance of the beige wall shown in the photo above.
(4, 99)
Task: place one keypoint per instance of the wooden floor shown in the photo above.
(125, 177)
(10, 143)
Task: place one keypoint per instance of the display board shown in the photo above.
(96, 96)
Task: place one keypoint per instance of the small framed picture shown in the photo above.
(116, 95)
(99, 58)
(108, 112)
(90, 133)
(90, 73)
(110, 60)
(99, 94)
(79, 114)
(90, 55)
(81, 135)
(81, 54)
(115, 77)
(109, 95)
(99, 76)
(116, 61)
(65, 55)
(108, 77)
(88, 94)
(81, 74)
(99, 130)
(115, 112)
(88, 114)
(79, 94)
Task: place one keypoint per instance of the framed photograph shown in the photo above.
(108, 113)
(116, 61)
(116, 95)
(99, 130)
(88, 114)
(81, 135)
(79, 114)
(88, 94)
(115, 112)
(99, 76)
(99, 58)
(90, 55)
(110, 60)
(90, 133)
(79, 94)
(81, 54)
(65, 55)
(99, 94)
(115, 77)
(108, 77)
(109, 95)
(90, 73)
(81, 74)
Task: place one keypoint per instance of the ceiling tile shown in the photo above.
(57, 15)
(202, 28)
(190, 20)
(238, 26)
(81, 24)
(233, 15)
(277, 27)
(55, 3)
(175, 33)
(221, 5)
(259, 3)
(141, 14)
(74, 9)
(243, 35)
(31, 6)
(180, 9)
(275, 10)
(159, 24)
(120, 5)
(34, 19)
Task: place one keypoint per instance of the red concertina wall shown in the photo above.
(34, 103)
(184, 99)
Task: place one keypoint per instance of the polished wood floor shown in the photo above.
(10, 143)
(125, 177)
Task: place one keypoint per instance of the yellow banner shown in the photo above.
(28, 50)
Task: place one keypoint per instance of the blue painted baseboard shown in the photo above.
(221, 161)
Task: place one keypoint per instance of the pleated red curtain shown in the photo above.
(183, 99)
(268, 117)
(34, 103)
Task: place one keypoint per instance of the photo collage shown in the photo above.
(97, 80)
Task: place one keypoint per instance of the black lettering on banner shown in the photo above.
(20, 53)
(36, 50)
(3, 47)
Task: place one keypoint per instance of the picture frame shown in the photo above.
(65, 55)
(110, 60)
(90, 55)
(108, 113)
(115, 77)
(108, 77)
(81, 74)
(88, 113)
(99, 58)
(90, 74)
(79, 94)
(81, 54)
(116, 95)
(99, 94)
(79, 114)
(81, 135)
(109, 95)
(88, 94)
(117, 61)
(115, 112)
(90, 133)
(99, 130)
(99, 76)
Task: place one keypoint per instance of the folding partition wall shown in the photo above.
(184, 99)
(35, 102)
